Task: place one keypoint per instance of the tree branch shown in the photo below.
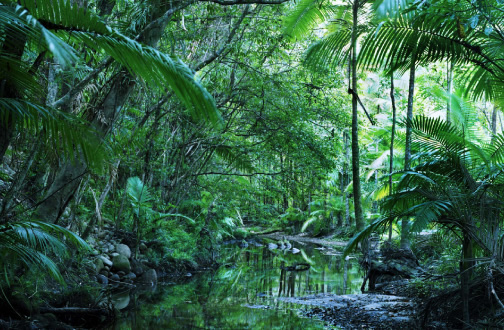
(237, 174)
(216, 54)
(352, 92)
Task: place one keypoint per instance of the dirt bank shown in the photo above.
(369, 311)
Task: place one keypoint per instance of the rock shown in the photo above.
(149, 277)
(120, 262)
(106, 261)
(121, 300)
(111, 248)
(121, 273)
(137, 267)
(124, 250)
(142, 247)
(115, 278)
(105, 250)
(294, 250)
(104, 272)
(99, 265)
(101, 279)
(131, 276)
(95, 253)
(107, 268)
(114, 254)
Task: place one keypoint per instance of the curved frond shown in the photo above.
(60, 130)
(34, 30)
(82, 25)
(157, 69)
(30, 242)
(329, 52)
(307, 15)
(431, 39)
(236, 161)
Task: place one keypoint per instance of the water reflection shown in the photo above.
(244, 293)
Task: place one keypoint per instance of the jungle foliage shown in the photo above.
(193, 122)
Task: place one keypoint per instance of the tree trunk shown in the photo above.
(465, 277)
(67, 180)
(359, 221)
(494, 123)
(449, 87)
(102, 118)
(392, 137)
(405, 225)
(344, 179)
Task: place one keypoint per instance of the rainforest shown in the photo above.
(251, 164)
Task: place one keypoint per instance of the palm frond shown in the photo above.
(157, 69)
(306, 16)
(428, 212)
(240, 162)
(382, 222)
(138, 192)
(431, 39)
(60, 130)
(29, 242)
(329, 52)
(66, 15)
(154, 67)
(34, 30)
(391, 8)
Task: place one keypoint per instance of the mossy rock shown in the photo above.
(121, 263)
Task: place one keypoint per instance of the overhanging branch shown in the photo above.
(237, 174)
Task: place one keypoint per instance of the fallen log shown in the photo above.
(76, 310)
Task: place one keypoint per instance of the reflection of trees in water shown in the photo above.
(258, 274)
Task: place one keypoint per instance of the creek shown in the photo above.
(248, 291)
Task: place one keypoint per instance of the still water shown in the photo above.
(244, 293)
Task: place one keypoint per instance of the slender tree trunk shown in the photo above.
(405, 225)
(359, 221)
(494, 123)
(392, 137)
(345, 180)
(449, 88)
(465, 271)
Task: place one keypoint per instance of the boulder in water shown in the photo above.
(149, 277)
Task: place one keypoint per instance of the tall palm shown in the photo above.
(456, 184)
(335, 49)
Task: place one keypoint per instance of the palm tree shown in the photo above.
(335, 49)
(457, 185)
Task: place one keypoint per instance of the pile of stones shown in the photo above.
(114, 262)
